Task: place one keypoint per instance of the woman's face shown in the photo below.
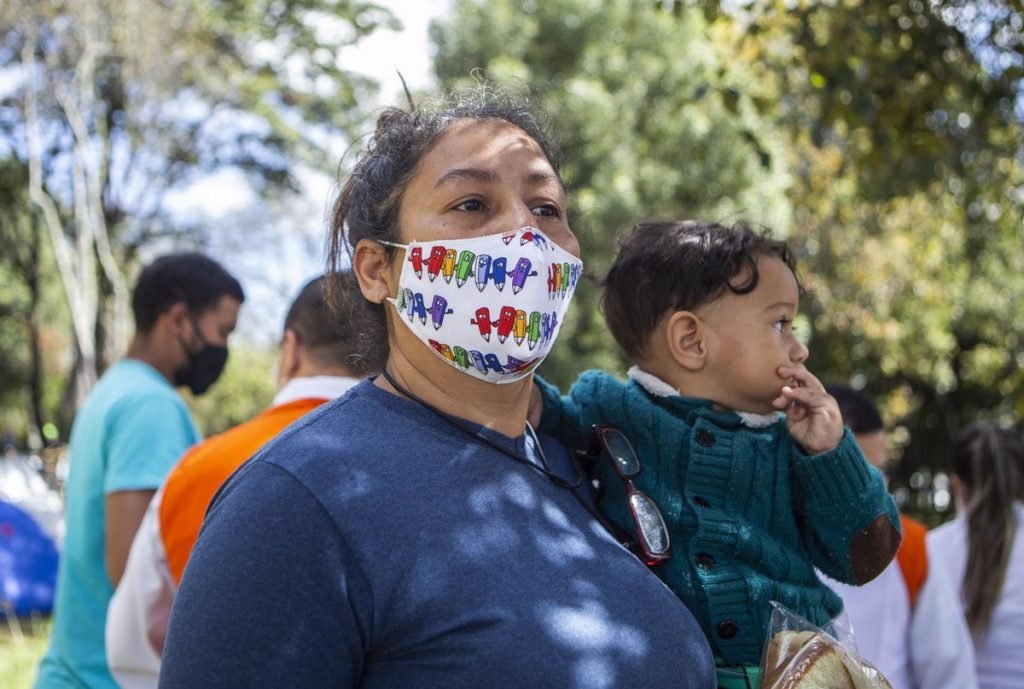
(484, 177)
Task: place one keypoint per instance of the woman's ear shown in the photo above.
(685, 336)
(371, 266)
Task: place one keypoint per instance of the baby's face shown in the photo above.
(750, 336)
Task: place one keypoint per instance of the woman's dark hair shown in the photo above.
(989, 460)
(192, 278)
(349, 335)
(368, 203)
(667, 266)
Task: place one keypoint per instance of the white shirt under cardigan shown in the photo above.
(1000, 654)
(927, 647)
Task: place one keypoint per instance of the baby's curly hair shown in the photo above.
(665, 266)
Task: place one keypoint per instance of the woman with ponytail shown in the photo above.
(983, 548)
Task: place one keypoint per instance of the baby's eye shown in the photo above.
(781, 324)
(470, 205)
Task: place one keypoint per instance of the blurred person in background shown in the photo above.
(907, 621)
(128, 434)
(322, 356)
(982, 549)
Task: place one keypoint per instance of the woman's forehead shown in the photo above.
(490, 145)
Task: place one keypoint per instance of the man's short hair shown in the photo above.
(346, 333)
(192, 278)
(859, 413)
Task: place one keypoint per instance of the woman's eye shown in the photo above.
(547, 210)
(471, 205)
(781, 324)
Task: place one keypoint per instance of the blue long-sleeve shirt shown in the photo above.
(749, 514)
(376, 545)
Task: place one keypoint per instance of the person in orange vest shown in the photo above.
(322, 356)
(906, 620)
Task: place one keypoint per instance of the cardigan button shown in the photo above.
(727, 629)
(705, 438)
(705, 561)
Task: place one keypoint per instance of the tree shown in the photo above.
(904, 130)
(119, 101)
(655, 120)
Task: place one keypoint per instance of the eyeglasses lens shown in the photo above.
(621, 453)
(652, 526)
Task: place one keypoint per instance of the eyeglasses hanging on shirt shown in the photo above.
(652, 540)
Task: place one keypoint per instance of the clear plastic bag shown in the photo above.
(800, 655)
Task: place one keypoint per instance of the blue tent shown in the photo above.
(28, 563)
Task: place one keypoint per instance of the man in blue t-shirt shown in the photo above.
(126, 437)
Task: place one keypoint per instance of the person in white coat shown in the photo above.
(982, 549)
(906, 621)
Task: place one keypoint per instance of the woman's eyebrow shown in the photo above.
(539, 178)
(491, 177)
(472, 173)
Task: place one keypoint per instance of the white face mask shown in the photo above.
(489, 306)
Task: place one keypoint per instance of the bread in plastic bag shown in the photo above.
(800, 655)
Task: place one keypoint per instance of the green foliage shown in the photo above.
(909, 196)
(884, 138)
(653, 118)
(244, 389)
(133, 99)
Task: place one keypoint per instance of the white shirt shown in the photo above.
(1000, 654)
(928, 647)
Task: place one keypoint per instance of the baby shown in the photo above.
(741, 446)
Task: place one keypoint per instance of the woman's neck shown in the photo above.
(501, 408)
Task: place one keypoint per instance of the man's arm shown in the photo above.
(125, 510)
(148, 435)
(139, 610)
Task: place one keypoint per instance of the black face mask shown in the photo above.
(203, 368)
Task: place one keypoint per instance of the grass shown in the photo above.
(20, 656)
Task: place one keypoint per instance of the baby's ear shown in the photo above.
(684, 333)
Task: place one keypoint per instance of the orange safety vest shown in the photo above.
(913, 556)
(193, 482)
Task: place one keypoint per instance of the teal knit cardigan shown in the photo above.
(749, 514)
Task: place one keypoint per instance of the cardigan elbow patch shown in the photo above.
(873, 548)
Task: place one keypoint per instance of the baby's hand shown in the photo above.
(812, 415)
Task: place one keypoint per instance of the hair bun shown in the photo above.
(389, 118)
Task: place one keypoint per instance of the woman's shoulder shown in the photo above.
(343, 427)
(948, 539)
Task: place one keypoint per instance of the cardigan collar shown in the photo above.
(658, 388)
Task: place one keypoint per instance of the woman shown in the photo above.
(983, 548)
(417, 533)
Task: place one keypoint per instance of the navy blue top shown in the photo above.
(374, 544)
